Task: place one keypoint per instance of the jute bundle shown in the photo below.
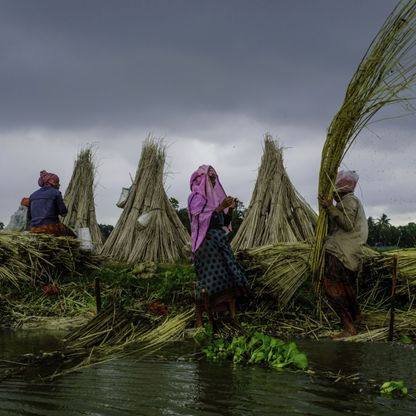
(277, 212)
(28, 258)
(79, 198)
(386, 71)
(283, 268)
(148, 228)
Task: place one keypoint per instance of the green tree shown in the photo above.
(407, 235)
(105, 230)
(384, 221)
(1, 226)
(175, 203)
(184, 217)
(182, 213)
(237, 218)
(383, 229)
(382, 233)
(372, 232)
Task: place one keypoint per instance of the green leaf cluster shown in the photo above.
(177, 282)
(405, 339)
(258, 349)
(394, 388)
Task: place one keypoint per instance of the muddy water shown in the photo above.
(172, 385)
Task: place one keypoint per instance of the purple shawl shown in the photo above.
(202, 202)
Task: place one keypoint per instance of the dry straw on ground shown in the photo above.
(277, 212)
(112, 335)
(160, 235)
(384, 76)
(79, 198)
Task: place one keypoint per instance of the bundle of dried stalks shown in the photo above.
(284, 268)
(79, 198)
(149, 228)
(386, 71)
(277, 212)
(30, 257)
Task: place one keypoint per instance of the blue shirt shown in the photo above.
(45, 205)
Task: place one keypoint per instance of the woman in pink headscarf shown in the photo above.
(220, 277)
(347, 234)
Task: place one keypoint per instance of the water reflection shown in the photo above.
(165, 386)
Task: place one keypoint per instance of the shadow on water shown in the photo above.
(170, 385)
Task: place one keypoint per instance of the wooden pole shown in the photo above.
(97, 294)
(393, 298)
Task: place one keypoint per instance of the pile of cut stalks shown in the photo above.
(43, 275)
(277, 212)
(386, 286)
(149, 228)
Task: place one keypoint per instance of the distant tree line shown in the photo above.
(383, 234)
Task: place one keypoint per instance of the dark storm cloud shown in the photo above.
(211, 76)
(77, 64)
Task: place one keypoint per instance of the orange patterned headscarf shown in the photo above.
(48, 179)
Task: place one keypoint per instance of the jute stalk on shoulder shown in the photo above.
(383, 77)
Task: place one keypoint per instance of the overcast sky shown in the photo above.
(208, 76)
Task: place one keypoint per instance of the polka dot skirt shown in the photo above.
(215, 264)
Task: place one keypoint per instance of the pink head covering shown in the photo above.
(47, 179)
(346, 181)
(202, 202)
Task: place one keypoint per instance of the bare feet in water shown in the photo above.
(347, 331)
(344, 334)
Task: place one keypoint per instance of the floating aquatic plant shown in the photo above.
(258, 349)
(394, 388)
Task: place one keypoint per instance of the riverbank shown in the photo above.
(157, 291)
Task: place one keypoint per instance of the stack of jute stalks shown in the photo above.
(383, 77)
(277, 212)
(27, 258)
(79, 198)
(148, 228)
(283, 268)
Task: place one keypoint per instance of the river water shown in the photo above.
(174, 384)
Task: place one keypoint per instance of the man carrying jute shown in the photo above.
(347, 233)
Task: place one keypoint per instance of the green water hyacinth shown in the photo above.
(394, 388)
(258, 349)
